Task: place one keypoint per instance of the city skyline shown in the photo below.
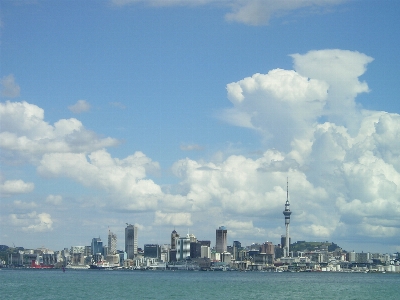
(193, 114)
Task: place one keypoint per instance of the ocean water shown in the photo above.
(101, 284)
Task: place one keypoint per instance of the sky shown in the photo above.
(190, 115)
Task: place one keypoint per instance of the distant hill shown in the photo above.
(314, 246)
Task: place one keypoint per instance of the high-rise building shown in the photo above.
(221, 234)
(237, 246)
(183, 248)
(112, 242)
(131, 241)
(174, 237)
(152, 250)
(287, 214)
(97, 246)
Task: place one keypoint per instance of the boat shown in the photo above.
(102, 265)
(77, 267)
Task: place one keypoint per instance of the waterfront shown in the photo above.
(94, 284)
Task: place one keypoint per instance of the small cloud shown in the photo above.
(54, 199)
(18, 204)
(32, 222)
(117, 105)
(191, 147)
(8, 87)
(176, 219)
(79, 107)
(249, 12)
(13, 187)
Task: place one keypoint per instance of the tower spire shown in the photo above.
(287, 189)
(287, 214)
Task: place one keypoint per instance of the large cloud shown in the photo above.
(25, 135)
(285, 104)
(341, 69)
(243, 186)
(124, 179)
(278, 104)
(344, 173)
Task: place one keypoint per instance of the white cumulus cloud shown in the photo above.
(32, 222)
(125, 179)
(14, 187)
(281, 103)
(25, 135)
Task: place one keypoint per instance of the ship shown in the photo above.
(102, 265)
(36, 265)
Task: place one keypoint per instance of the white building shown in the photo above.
(77, 249)
(183, 248)
(112, 242)
(205, 252)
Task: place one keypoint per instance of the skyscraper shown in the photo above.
(112, 242)
(221, 245)
(131, 241)
(174, 237)
(287, 214)
(97, 246)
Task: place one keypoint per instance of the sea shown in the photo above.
(120, 284)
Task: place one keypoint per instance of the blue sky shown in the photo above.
(192, 114)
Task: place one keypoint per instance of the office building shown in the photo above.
(152, 251)
(183, 248)
(97, 246)
(221, 235)
(174, 237)
(131, 241)
(112, 242)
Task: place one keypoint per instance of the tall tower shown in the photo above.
(220, 245)
(131, 241)
(287, 214)
(112, 242)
